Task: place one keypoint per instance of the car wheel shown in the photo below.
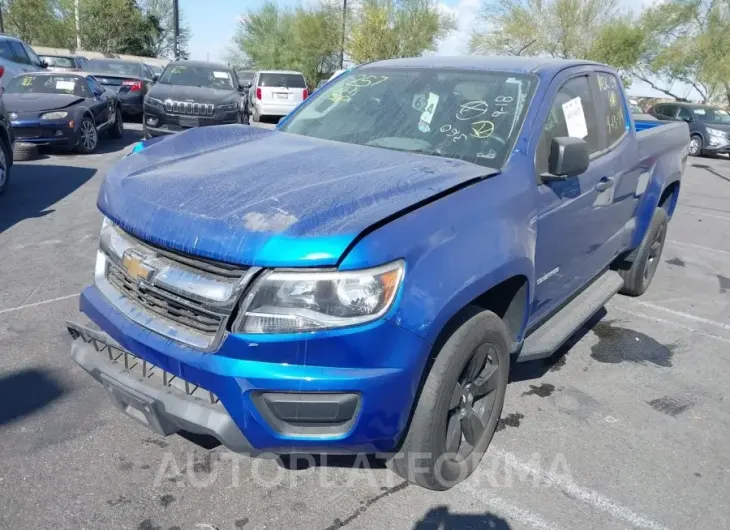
(4, 167)
(638, 275)
(457, 412)
(23, 152)
(117, 128)
(88, 136)
(695, 145)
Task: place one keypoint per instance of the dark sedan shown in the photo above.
(65, 110)
(129, 80)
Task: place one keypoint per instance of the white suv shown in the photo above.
(17, 57)
(276, 93)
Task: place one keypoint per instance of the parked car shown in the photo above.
(17, 57)
(66, 110)
(7, 142)
(358, 279)
(276, 93)
(192, 94)
(155, 69)
(129, 80)
(709, 126)
(64, 63)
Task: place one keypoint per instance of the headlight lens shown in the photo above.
(295, 302)
(54, 115)
(153, 101)
(715, 132)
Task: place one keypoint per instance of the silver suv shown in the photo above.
(17, 57)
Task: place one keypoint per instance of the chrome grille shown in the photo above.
(186, 107)
(166, 305)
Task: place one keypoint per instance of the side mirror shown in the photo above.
(688, 119)
(569, 157)
(247, 85)
(155, 78)
(43, 64)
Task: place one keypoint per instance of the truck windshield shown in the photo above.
(466, 115)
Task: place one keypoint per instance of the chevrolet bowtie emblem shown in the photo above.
(135, 267)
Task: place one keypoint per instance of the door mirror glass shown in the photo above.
(569, 157)
(155, 78)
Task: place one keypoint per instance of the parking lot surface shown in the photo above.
(626, 427)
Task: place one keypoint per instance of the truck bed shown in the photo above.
(657, 137)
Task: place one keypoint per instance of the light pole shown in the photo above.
(342, 47)
(78, 24)
(176, 18)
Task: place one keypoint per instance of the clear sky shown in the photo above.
(213, 23)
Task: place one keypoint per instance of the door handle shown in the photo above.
(604, 184)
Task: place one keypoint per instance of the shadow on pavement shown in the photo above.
(712, 170)
(26, 392)
(536, 369)
(33, 188)
(441, 519)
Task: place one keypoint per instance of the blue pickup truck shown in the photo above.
(361, 279)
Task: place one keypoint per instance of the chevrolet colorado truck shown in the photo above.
(360, 279)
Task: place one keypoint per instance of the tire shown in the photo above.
(446, 408)
(695, 145)
(88, 136)
(638, 274)
(5, 167)
(24, 152)
(117, 129)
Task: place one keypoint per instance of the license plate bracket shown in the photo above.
(189, 122)
(138, 406)
(282, 95)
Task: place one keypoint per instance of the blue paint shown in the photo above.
(274, 199)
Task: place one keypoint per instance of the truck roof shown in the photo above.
(538, 65)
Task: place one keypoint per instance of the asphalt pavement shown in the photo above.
(626, 427)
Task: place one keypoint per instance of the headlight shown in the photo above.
(153, 101)
(228, 106)
(295, 302)
(716, 132)
(54, 115)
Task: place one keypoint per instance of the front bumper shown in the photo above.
(345, 392)
(717, 145)
(45, 132)
(164, 124)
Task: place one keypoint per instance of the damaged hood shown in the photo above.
(255, 197)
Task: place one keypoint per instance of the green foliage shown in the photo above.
(117, 26)
(46, 22)
(164, 42)
(384, 29)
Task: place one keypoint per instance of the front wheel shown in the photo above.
(88, 136)
(457, 412)
(4, 167)
(695, 145)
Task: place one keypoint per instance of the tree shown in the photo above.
(384, 29)
(164, 42)
(43, 22)
(117, 26)
(302, 39)
(558, 28)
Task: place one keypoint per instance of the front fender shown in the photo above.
(455, 249)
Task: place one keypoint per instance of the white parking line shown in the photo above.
(34, 304)
(514, 513)
(698, 247)
(682, 314)
(673, 324)
(570, 488)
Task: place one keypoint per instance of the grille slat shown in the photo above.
(192, 109)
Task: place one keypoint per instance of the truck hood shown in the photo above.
(249, 196)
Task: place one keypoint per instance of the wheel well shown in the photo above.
(668, 200)
(508, 300)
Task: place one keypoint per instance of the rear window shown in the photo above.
(113, 67)
(61, 62)
(285, 80)
(47, 84)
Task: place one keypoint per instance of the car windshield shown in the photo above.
(200, 76)
(61, 62)
(280, 79)
(466, 115)
(712, 115)
(113, 67)
(47, 84)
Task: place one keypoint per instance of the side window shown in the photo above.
(5, 51)
(685, 114)
(669, 111)
(94, 86)
(611, 107)
(19, 51)
(572, 113)
(34, 59)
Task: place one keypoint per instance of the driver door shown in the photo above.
(102, 103)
